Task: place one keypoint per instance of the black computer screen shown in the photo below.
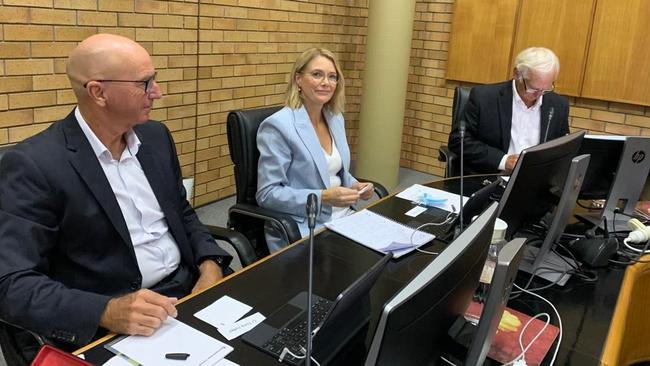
(415, 321)
(605, 154)
(537, 181)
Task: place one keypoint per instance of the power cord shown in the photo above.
(286, 351)
(447, 361)
(521, 358)
(449, 218)
(559, 319)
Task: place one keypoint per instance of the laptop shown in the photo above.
(334, 323)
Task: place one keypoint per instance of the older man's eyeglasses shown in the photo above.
(319, 76)
(148, 83)
(530, 90)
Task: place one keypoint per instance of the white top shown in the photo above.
(155, 248)
(334, 166)
(525, 128)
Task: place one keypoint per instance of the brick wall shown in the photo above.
(212, 56)
(429, 99)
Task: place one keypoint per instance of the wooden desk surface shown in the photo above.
(586, 309)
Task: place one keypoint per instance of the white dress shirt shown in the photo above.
(155, 248)
(524, 131)
(334, 165)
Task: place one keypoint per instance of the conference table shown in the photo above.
(586, 308)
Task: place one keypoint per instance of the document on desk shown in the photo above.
(121, 361)
(379, 233)
(223, 312)
(173, 337)
(443, 200)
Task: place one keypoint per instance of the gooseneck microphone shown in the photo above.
(312, 212)
(548, 123)
(462, 169)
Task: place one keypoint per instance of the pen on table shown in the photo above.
(177, 356)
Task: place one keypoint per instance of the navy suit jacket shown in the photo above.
(488, 119)
(65, 249)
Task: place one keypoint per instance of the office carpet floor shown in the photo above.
(216, 213)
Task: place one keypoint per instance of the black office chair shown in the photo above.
(461, 96)
(246, 216)
(8, 332)
(3, 150)
(7, 339)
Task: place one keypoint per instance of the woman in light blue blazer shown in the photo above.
(303, 148)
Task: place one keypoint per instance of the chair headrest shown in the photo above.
(242, 142)
(3, 150)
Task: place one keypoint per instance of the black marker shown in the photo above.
(177, 356)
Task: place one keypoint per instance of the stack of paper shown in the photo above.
(379, 233)
(173, 337)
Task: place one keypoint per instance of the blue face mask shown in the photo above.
(430, 200)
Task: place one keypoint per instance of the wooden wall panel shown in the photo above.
(563, 26)
(619, 52)
(481, 40)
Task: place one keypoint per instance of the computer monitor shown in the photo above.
(633, 165)
(605, 152)
(415, 321)
(537, 182)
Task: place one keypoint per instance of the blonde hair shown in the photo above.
(293, 97)
(538, 60)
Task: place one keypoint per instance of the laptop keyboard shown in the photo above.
(293, 335)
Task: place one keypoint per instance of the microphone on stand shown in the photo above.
(462, 169)
(548, 123)
(312, 212)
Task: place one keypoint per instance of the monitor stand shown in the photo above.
(543, 256)
(631, 175)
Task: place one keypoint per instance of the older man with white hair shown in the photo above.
(505, 118)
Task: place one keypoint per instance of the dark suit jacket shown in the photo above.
(488, 119)
(64, 245)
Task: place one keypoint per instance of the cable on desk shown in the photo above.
(539, 270)
(633, 256)
(522, 355)
(590, 208)
(559, 319)
(286, 351)
(450, 217)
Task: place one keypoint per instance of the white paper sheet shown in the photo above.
(117, 361)
(222, 312)
(415, 211)
(379, 233)
(225, 362)
(173, 337)
(415, 192)
(238, 328)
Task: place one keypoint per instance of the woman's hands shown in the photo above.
(344, 197)
(340, 196)
(365, 189)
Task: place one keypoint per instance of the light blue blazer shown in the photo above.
(292, 163)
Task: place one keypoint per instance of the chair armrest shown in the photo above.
(238, 241)
(284, 221)
(380, 190)
(443, 153)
